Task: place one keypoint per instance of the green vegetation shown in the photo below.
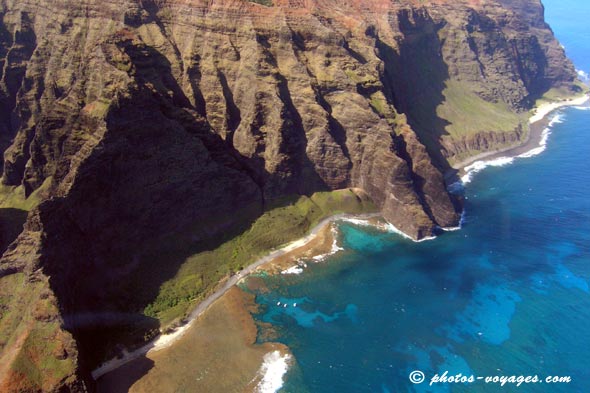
(289, 220)
(37, 359)
(563, 93)
(14, 197)
(13, 211)
(267, 3)
(380, 105)
(30, 331)
(469, 114)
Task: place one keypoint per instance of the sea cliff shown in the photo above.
(140, 133)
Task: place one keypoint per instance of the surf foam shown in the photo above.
(391, 228)
(297, 269)
(478, 166)
(388, 228)
(273, 369)
(335, 247)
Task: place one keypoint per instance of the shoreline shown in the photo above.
(164, 341)
(538, 122)
(229, 357)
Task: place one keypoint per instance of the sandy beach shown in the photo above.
(538, 122)
(287, 260)
(218, 354)
(168, 362)
(549, 107)
(318, 241)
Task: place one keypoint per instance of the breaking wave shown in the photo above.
(272, 371)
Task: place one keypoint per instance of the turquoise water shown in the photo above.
(506, 295)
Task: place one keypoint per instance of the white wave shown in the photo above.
(582, 108)
(427, 238)
(478, 166)
(297, 269)
(367, 223)
(534, 152)
(457, 228)
(357, 221)
(335, 247)
(542, 145)
(455, 187)
(391, 228)
(272, 371)
(557, 119)
(462, 219)
(388, 227)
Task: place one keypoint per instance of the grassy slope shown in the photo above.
(267, 3)
(31, 340)
(468, 113)
(14, 207)
(203, 267)
(560, 94)
(200, 273)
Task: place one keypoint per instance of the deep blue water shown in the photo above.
(506, 295)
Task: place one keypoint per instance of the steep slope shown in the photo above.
(136, 121)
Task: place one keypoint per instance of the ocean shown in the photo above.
(506, 296)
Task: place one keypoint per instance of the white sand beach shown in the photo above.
(546, 108)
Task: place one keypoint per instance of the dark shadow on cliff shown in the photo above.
(414, 78)
(161, 188)
(296, 173)
(15, 50)
(11, 225)
(121, 379)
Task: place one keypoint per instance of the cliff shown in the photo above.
(133, 121)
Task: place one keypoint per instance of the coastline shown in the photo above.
(538, 122)
(164, 341)
(229, 358)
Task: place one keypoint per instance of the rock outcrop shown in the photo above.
(137, 119)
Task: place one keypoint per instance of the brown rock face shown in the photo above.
(141, 118)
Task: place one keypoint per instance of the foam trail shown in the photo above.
(457, 228)
(393, 229)
(357, 221)
(478, 166)
(293, 270)
(557, 119)
(335, 247)
(385, 227)
(272, 371)
(366, 223)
